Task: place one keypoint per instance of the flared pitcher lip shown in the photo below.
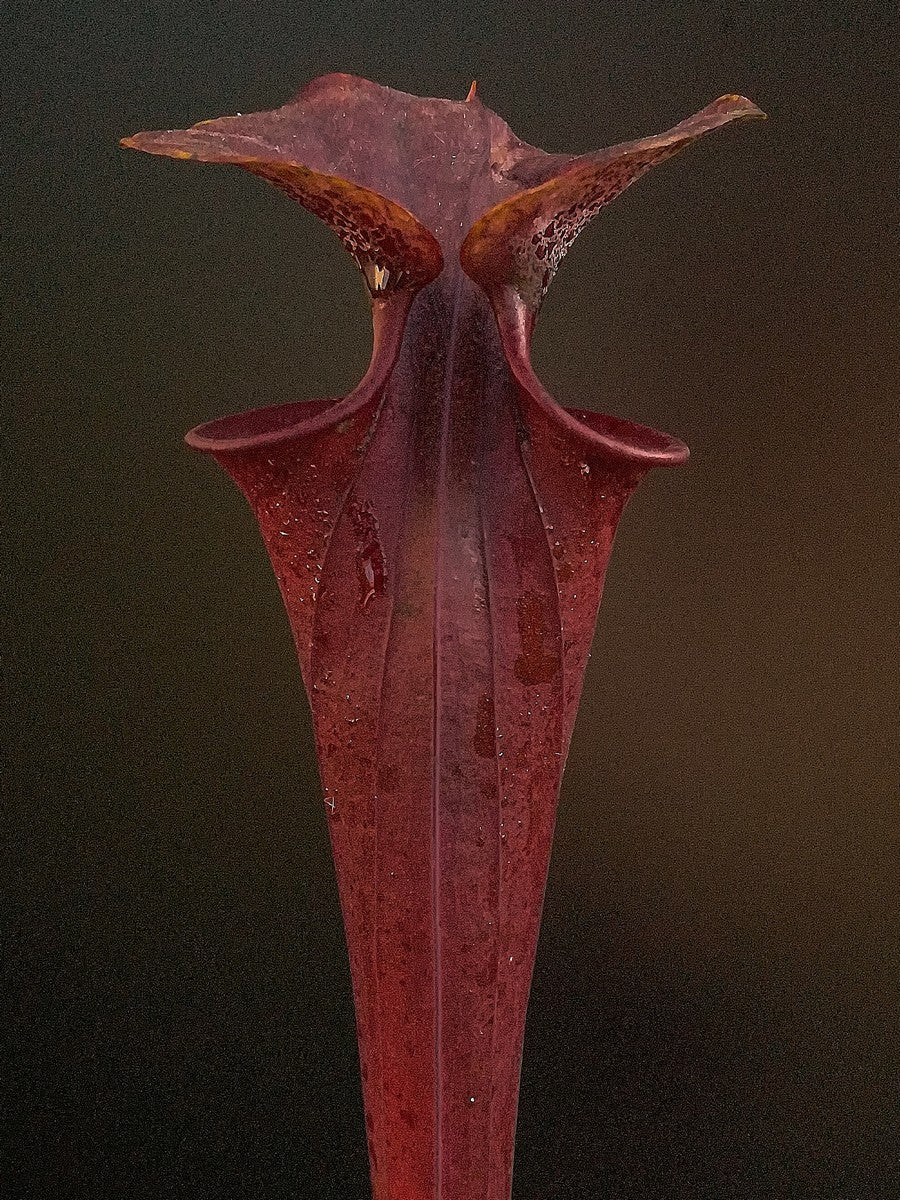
(255, 428)
(297, 418)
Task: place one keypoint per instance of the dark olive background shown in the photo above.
(716, 1006)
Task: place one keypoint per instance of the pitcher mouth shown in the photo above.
(274, 422)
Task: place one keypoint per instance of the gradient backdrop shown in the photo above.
(716, 1007)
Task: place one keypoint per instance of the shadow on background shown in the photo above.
(715, 1010)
